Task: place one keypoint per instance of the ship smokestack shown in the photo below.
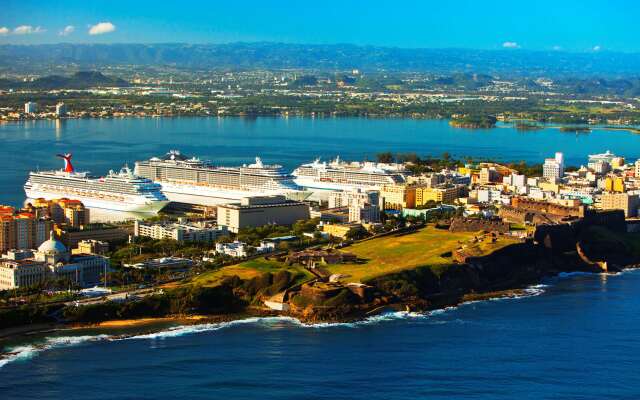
(68, 167)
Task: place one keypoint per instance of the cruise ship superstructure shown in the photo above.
(193, 181)
(119, 191)
(341, 175)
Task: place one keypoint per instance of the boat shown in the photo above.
(118, 191)
(190, 180)
(338, 175)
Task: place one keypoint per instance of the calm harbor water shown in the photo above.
(99, 145)
(577, 337)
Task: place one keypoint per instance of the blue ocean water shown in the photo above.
(576, 337)
(579, 338)
(99, 145)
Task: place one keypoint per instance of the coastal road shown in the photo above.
(117, 297)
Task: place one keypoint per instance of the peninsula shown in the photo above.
(413, 246)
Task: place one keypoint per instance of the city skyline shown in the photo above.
(571, 26)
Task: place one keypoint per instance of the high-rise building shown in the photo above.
(61, 110)
(515, 180)
(629, 203)
(553, 168)
(75, 214)
(7, 232)
(30, 107)
(617, 162)
(398, 196)
(600, 167)
(446, 194)
(364, 206)
(489, 175)
(62, 211)
(615, 184)
(22, 230)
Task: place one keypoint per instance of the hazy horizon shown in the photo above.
(572, 26)
(240, 42)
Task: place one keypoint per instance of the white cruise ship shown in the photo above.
(118, 191)
(192, 181)
(343, 176)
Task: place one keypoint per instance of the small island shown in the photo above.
(473, 121)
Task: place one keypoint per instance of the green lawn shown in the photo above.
(248, 270)
(427, 247)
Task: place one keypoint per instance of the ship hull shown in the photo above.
(146, 207)
(211, 196)
(314, 185)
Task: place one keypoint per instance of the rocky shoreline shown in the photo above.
(122, 329)
(507, 272)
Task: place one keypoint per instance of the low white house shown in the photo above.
(240, 249)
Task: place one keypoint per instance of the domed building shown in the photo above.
(52, 251)
(50, 260)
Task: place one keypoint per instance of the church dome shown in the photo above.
(52, 246)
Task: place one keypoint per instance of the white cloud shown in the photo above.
(101, 28)
(68, 30)
(510, 45)
(597, 48)
(4, 30)
(27, 30)
(557, 48)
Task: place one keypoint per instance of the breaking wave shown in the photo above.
(269, 321)
(26, 352)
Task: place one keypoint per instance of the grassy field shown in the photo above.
(427, 247)
(248, 270)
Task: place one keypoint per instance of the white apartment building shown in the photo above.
(489, 195)
(553, 168)
(182, 232)
(240, 249)
(515, 180)
(30, 107)
(61, 110)
(364, 206)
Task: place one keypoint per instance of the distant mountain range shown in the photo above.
(79, 80)
(511, 62)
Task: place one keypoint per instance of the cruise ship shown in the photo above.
(193, 181)
(341, 175)
(118, 191)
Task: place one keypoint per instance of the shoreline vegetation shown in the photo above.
(483, 122)
(473, 121)
(122, 328)
(391, 274)
(128, 328)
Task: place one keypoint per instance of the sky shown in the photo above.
(570, 25)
